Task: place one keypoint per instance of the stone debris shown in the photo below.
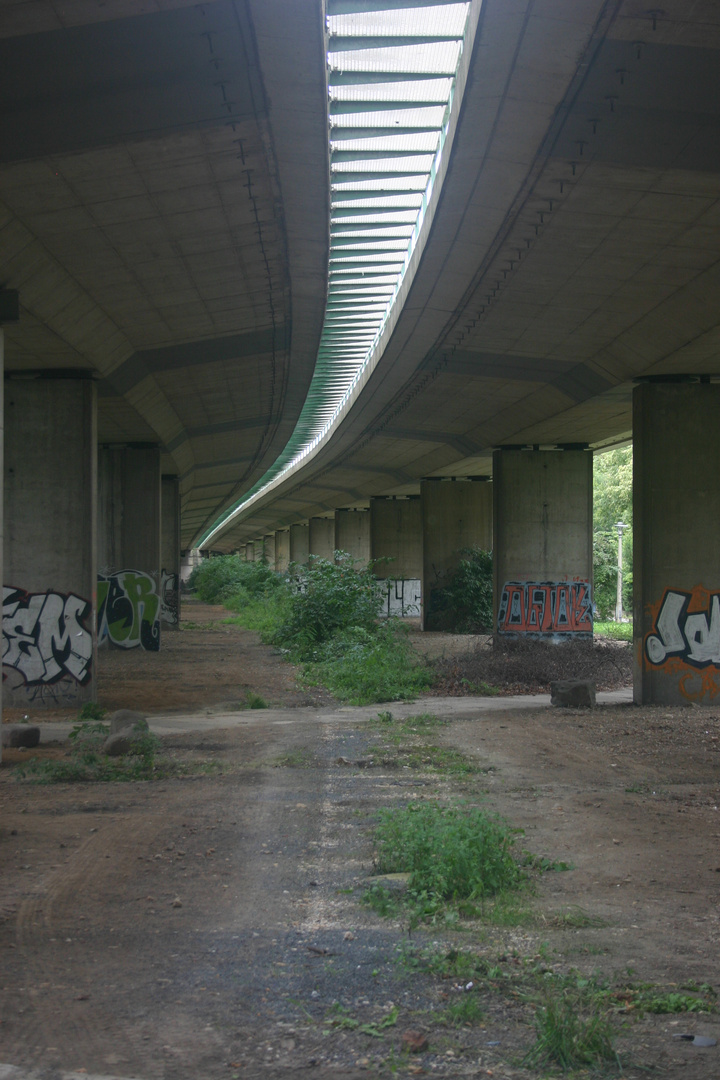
(414, 1041)
(573, 693)
(20, 736)
(124, 719)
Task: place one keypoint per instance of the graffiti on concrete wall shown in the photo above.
(401, 598)
(684, 641)
(545, 607)
(46, 636)
(169, 597)
(128, 610)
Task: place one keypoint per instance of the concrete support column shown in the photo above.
(282, 550)
(269, 549)
(396, 535)
(170, 553)
(129, 557)
(352, 534)
(456, 514)
(50, 542)
(299, 544)
(543, 542)
(322, 537)
(676, 543)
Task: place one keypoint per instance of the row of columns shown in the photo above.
(91, 542)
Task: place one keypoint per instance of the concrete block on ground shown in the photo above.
(127, 719)
(573, 693)
(20, 735)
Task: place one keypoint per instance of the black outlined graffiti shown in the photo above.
(169, 585)
(693, 637)
(46, 637)
(129, 610)
(545, 607)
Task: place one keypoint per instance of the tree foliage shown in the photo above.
(612, 502)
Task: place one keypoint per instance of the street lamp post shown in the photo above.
(619, 525)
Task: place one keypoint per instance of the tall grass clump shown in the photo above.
(573, 1029)
(452, 853)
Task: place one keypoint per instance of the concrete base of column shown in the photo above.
(50, 543)
(456, 514)
(676, 543)
(543, 543)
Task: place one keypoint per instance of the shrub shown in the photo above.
(328, 598)
(362, 666)
(223, 577)
(465, 604)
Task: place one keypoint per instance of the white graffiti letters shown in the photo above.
(694, 638)
(44, 636)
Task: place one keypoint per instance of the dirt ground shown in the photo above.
(210, 925)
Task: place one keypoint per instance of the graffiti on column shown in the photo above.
(129, 609)
(545, 607)
(46, 636)
(169, 585)
(685, 640)
(401, 599)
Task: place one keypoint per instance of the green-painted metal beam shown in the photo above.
(342, 134)
(348, 108)
(340, 176)
(376, 155)
(353, 194)
(357, 7)
(361, 78)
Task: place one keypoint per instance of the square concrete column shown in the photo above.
(170, 553)
(269, 550)
(299, 544)
(543, 543)
(322, 537)
(396, 536)
(456, 514)
(282, 550)
(129, 516)
(676, 543)
(50, 542)
(352, 534)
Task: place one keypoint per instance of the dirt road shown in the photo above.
(212, 926)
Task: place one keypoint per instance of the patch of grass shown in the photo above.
(576, 919)
(255, 701)
(614, 630)
(452, 854)
(295, 759)
(340, 1019)
(647, 998)
(573, 1029)
(92, 711)
(466, 1011)
(87, 763)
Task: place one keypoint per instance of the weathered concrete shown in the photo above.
(170, 553)
(396, 535)
(50, 541)
(352, 534)
(282, 550)
(299, 544)
(676, 543)
(129, 501)
(456, 514)
(269, 549)
(322, 537)
(543, 542)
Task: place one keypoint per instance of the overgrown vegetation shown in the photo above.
(456, 856)
(324, 616)
(616, 631)
(465, 604)
(86, 761)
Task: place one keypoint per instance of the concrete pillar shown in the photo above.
(456, 514)
(396, 535)
(50, 542)
(282, 550)
(2, 441)
(352, 534)
(322, 537)
(543, 543)
(676, 543)
(170, 553)
(129, 557)
(269, 549)
(299, 544)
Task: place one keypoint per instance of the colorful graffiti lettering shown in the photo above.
(690, 636)
(169, 596)
(545, 607)
(45, 637)
(129, 610)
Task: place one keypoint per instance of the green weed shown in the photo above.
(465, 1011)
(614, 630)
(573, 1029)
(255, 701)
(87, 763)
(92, 711)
